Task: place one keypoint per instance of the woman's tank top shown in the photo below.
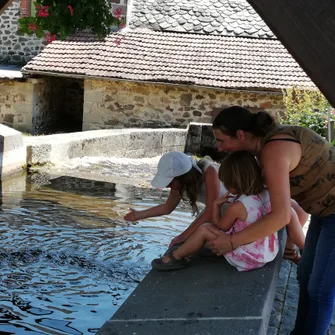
(313, 180)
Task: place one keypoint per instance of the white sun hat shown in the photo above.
(171, 165)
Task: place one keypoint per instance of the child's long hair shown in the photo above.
(240, 171)
(191, 183)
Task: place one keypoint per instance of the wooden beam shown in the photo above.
(307, 29)
(4, 4)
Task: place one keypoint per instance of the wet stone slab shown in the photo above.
(208, 297)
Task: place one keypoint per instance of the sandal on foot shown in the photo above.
(173, 248)
(292, 255)
(173, 264)
(206, 252)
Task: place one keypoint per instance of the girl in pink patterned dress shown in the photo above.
(242, 176)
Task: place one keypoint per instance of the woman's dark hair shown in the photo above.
(240, 171)
(191, 183)
(235, 118)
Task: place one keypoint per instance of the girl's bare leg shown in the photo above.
(196, 241)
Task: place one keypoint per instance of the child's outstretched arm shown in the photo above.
(163, 209)
(235, 210)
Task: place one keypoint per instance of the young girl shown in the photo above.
(198, 180)
(243, 177)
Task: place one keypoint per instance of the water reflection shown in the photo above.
(68, 260)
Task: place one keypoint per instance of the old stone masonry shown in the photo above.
(16, 49)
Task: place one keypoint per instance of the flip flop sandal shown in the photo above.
(292, 255)
(173, 264)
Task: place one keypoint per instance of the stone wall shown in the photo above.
(25, 105)
(53, 105)
(43, 113)
(42, 106)
(16, 49)
(117, 104)
(16, 104)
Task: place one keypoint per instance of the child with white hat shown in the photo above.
(197, 180)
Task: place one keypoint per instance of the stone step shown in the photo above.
(208, 298)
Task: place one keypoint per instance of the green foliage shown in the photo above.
(58, 19)
(306, 108)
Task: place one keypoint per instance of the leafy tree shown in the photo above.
(58, 19)
(307, 108)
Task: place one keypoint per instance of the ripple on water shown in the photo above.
(69, 260)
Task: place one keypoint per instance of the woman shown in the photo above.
(296, 163)
(198, 180)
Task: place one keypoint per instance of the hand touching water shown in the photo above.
(131, 216)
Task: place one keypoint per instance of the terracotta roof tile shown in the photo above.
(207, 60)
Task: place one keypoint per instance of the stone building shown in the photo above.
(175, 62)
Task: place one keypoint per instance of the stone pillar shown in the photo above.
(12, 151)
(193, 140)
(12, 190)
(201, 141)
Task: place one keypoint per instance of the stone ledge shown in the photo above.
(197, 139)
(130, 143)
(210, 297)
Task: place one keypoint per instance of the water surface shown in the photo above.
(68, 259)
